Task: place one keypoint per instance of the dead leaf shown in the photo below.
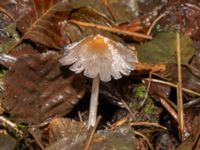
(36, 89)
(118, 8)
(91, 16)
(66, 134)
(42, 21)
(70, 134)
(190, 79)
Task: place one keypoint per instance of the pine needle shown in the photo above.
(179, 87)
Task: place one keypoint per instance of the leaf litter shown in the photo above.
(51, 103)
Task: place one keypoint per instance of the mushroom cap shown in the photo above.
(99, 55)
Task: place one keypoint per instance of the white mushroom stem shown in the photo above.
(94, 102)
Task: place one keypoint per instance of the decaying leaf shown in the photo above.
(47, 22)
(72, 135)
(37, 88)
(91, 16)
(190, 76)
(66, 134)
(162, 49)
(41, 21)
(111, 8)
(193, 141)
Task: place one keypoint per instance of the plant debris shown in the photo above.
(44, 105)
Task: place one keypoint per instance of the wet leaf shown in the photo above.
(69, 134)
(162, 49)
(91, 16)
(7, 142)
(66, 134)
(47, 23)
(122, 138)
(42, 21)
(36, 89)
(118, 8)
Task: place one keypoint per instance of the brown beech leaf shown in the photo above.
(42, 21)
(37, 88)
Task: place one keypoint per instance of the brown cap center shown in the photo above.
(98, 45)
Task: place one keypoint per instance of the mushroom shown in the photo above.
(100, 58)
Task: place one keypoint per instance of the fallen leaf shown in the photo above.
(37, 88)
(41, 21)
(162, 49)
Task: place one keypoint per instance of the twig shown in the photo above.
(142, 135)
(147, 91)
(13, 126)
(80, 116)
(89, 141)
(179, 87)
(154, 23)
(107, 6)
(31, 131)
(128, 109)
(110, 29)
(192, 6)
(119, 123)
(191, 103)
(150, 67)
(134, 26)
(6, 13)
(168, 107)
(174, 85)
(148, 124)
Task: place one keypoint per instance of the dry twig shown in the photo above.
(89, 141)
(168, 107)
(154, 23)
(128, 109)
(148, 124)
(110, 29)
(179, 86)
(147, 91)
(107, 6)
(173, 85)
(142, 135)
(6, 13)
(7, 123)
(150, 67)
(119, 123)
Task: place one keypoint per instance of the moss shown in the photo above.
(21, 126)
(140, 93)
(149, 107)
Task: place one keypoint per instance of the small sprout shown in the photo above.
(99, 58)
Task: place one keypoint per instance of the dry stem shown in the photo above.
(173, 85)
(111, 29)
(179, 87)
(142, 135)
(87, 145)
(148, 124)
